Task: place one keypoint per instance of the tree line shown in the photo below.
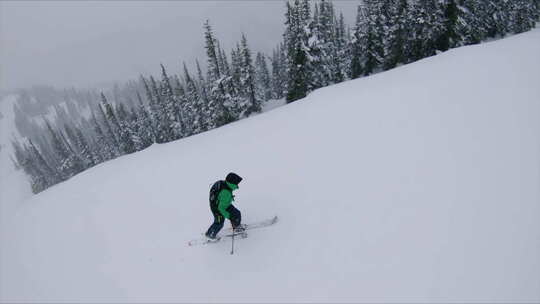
(318, 49)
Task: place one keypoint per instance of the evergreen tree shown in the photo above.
(30, 159)
(44, 174)
(204, 107)
(69, 163)
(296, 41)
(145, 126)
(151, 110)
(126, 130)
(357, 45)
(104, 147)
(341, 52)
(320, 47)
(213, 61)
(279, 72)
(85, 132)
(247, 80)
(202, 84)
(471, 27)
(236, 69)
(331, 45)
(159, 114)
(523, 15)
(111, 123)
(215, 111)
(367, 46)
(181, 104)
(80, 145)
(263, 80)
(427, 28)
(396, 32)
(449, 37)
(193, 105)
(171, 108)
(24, 161)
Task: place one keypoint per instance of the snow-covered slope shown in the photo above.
(418, 184)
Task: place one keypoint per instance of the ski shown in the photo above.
(259, 224)
(206, 241)
(229, 233)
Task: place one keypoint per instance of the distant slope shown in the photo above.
(417, 184)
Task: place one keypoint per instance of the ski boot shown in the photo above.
(239, 229)
(211, 237)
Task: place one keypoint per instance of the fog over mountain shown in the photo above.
(91, 43)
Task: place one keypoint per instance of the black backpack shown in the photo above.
(215, 189)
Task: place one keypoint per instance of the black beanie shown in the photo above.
(233, 178)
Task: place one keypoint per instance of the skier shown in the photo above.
(221, 199)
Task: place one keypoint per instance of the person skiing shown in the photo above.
(221, 199)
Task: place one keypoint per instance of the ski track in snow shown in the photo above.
(420, 184)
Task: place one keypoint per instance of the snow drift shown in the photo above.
(417, 184)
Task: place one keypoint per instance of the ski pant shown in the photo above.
(219, 220)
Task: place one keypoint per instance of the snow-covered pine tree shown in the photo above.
(334, 44)
(136, 131)
(69, 163)
(23, 160)
(320, 46)
(501, 13)
(87, 153)
(523, 15)
(46, 174)
(181, 99)
(205, 92)
(236, 69)
(357, 45)
(427, 28)
(144, 133)
(279, 72)
(159, 114)
(126, 129)
(202, 84)
(262, 76)
(230, 81)
(85, 131)
(145, 126)
(170, 108)
(341, 52)
(111, 120)
(193, 108)
(449, 36)
(216, 113)
(152, 111)
(80, 146)
(296, 41)
(226, 68)
(103, 144)
(396, 30)
(213, 72)
(30, 159)
(473, 22)
(367, 45)
(251, 103)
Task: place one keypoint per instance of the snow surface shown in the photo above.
(421, 184)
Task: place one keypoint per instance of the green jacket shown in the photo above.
(225, 199)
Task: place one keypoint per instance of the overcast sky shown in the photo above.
(89, 43)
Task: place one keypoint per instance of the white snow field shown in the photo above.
(421, 184)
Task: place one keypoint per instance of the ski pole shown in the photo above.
(232, 243)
